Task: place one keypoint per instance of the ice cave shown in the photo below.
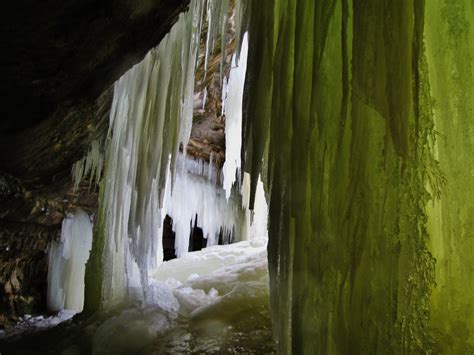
(237, 177)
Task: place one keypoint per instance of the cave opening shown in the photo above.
(169, 237)
(196, 237)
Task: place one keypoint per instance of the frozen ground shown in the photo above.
(211, 301)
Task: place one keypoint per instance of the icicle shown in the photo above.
(217, 16)
(90, 167)
(256, 220)
(223, 33)
(150, 117)
(204, 99)
(196, 192)
(233, 112)
(67, 263)
(209, 48)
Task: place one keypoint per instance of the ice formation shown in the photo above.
(214, 286)
(196, 197)
(217, 12)
(147, 124)
(67, 263)
(233, 121)
(256, 220)
(90, 167)
(147, 175)
(205, 287)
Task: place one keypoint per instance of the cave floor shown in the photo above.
(211, 301)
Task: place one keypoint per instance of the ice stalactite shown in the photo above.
(195, 196)
(233, 111)
(90, 167)
(255, 221)
(217, 12)
(67, 263)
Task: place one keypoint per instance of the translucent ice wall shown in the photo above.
(360, 119)
(67, 263)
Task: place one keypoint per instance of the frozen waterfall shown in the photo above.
(148, 175)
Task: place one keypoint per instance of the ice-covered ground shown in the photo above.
(214, 300)
(29, 323)
(207, 289)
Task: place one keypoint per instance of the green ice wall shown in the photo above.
(449, 35)
(360, 115)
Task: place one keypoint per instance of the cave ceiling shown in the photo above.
(58, 58)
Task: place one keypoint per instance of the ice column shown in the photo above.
(256, 220)
(255, 225)
(67, 263)
(233, 113)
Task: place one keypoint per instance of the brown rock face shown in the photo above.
(23, 268)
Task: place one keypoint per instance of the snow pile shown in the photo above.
(203, 280)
